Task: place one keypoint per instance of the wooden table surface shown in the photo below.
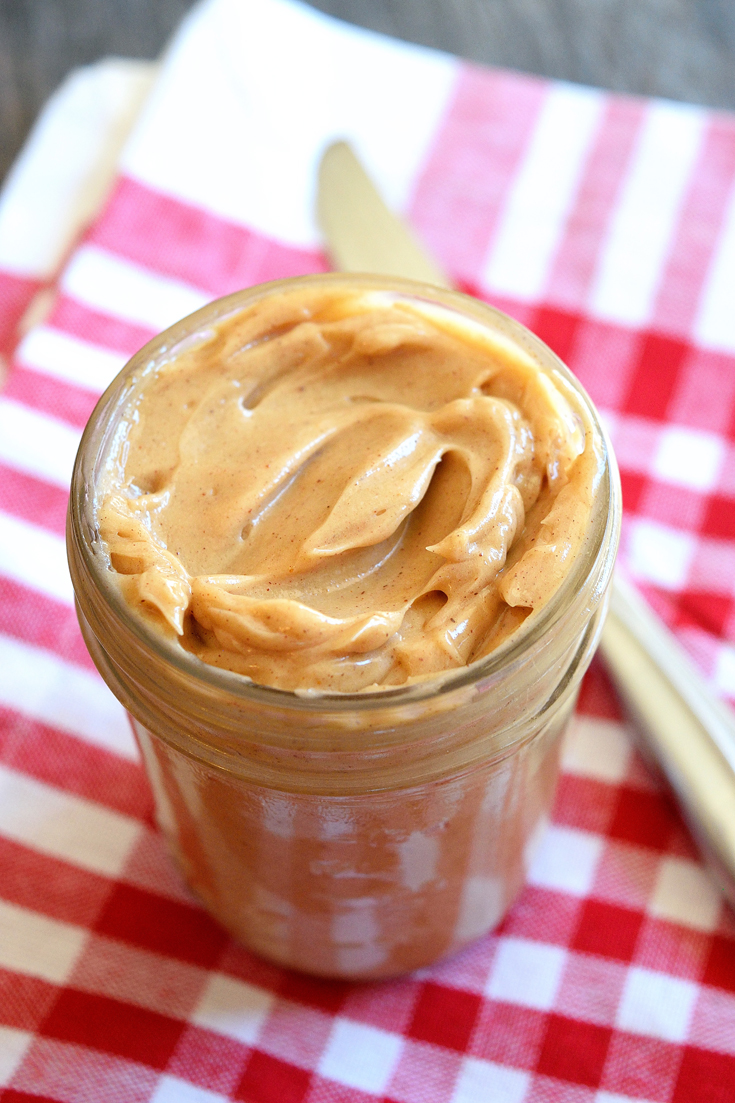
(684, 49)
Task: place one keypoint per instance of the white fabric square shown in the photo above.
(65, 357)
(34, 557)
(64, 695)
(685, 893)
(659, 554)
(543, 191)
(34, 944)
(13, 1046)
(597, 748)
(646, 212)
(656, 1005)
(68, 162)
(566, 860)
(223, 62)
(172, 1090)
(360, 1056)
(635, 440)
(60, 823)
(610, 420)
(234, 1008)
(122, 289)
(725, 670)
(55, 443)
(689, 458)
(526, 973)
(485, 1082)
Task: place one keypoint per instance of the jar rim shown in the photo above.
(96, 439)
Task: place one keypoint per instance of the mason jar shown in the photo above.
(352, 835)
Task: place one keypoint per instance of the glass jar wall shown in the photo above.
(347, 835)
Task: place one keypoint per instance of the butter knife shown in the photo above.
(689, 733)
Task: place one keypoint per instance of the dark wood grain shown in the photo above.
(684, 49)
(41, 40)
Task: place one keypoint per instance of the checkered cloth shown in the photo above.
(607, 224)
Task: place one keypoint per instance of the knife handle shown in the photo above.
(689, 732)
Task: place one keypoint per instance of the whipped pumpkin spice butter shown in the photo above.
(341, 546)
(343, 490)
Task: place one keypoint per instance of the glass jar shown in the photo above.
(347, 835)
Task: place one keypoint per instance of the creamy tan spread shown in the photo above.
(343, 490)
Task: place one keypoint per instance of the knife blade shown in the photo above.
(362, 234)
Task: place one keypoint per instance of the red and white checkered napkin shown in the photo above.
(608, 225)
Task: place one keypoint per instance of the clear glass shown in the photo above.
(359, 835)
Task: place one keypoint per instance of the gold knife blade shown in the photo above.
(362, 234)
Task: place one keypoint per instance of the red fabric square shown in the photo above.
(719, 520)
(323, 1090)
(608, 930)
(113, 1027)
(708, 611)
(183, 241)
(60, 399)
(77, 1074)
(604, 358)
(597, 696)
(58, 889)
(24, 1000)
(655, 377)
(668, 947)
(574, 1051)
(162, 925)
(558, 328)
(10, 1095)
(424, 1074)
(730, 431)
(543, 914)
(34, 500)
(296, 1034)
(208, 1059)
(16, 294)
(705, 1077)
(389, 1005)
(633, 486)
(72, 764)
(268, 1080)
(329, 995)
(113, 334)
(584, 803)
(591, 988)
(705, 392)
(642, 1068)
(444, 1016)
(720, 968)
(646, 819)
(509, 1035)
(675, 506)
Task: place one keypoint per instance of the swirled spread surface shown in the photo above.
(346, 490)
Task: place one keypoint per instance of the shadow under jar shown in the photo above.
(352, 835)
